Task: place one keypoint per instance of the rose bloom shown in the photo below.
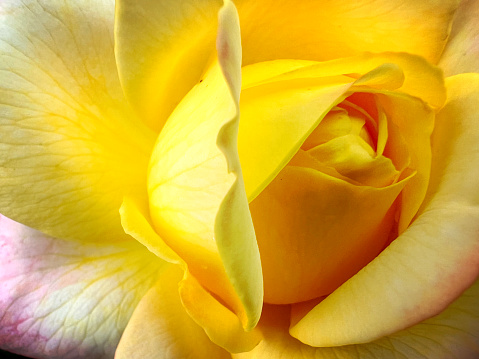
(257, 179)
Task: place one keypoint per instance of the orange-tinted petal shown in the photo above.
(433, 261)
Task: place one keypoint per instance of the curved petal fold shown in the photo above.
(197, 198)
(69, 143)
(162, 49)
(62, 299)
(433, 261)
(221, 325)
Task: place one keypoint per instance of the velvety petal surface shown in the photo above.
(453, 334)
(433, 261)
(198, 203)
(462, 50)
(324, 30)
(161, 328)
(162, 49)
(60, 299)
(70, 147)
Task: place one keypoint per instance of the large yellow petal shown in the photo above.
(328, 29)
(197, 199)
(433, 261)
(462, 50)
(63, 299)
(161, 328)
(451, 334)
(162, 48)
(70, 147)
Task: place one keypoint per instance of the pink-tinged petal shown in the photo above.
(433, 261)
(462, 50)
(161, 328)
(453, 334)
(60, 299)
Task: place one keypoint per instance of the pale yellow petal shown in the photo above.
(70, 147)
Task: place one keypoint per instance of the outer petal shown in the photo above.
(433, 261)
(197, 198)
(452, 334)
(162, 48)
(69, 145)
(462, 50)
(161, 328)
(59, 299)
(323, 30)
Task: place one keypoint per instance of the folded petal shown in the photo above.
(323, 30)
(62, 299)
(162, 48)
(70, 147)
(462, 49)
(433, 261)
(221, 325)
(451, 334)
(198, 203)
(161, 328)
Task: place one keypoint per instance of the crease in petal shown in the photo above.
(155, 42)
(462, 49)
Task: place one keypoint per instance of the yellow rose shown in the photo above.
(249, 180)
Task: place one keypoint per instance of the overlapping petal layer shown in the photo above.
(164, 329)
(62, 299)
(197, 199)
(70, 147)
(433, 261)
(220, 324)
(451, 334)
(162, 49)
